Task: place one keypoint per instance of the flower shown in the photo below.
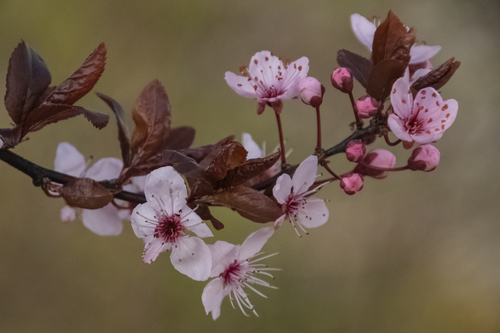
(367, 106)
(235, 268)
(342, 79)
(424, 119)
(352, 184)
(269, 80)
(106, 221)
(293, 194)
(365, 31)
(355, 150)
(164, 220)
(378, 158)
(311, 91)
(425, 158)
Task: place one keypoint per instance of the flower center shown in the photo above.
(169, 228)
(233, 274)
(414, 126)
(271, 92)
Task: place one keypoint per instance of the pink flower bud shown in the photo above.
(311, 91)
(353, 184)
(378, 158)
(355, 150)
(367, 106)
(342, 79)
(424, 157)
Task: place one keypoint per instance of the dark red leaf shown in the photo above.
(218, 162)
(27, 79)
(85, 193)
(249, 203)
(123, 135)
(437, 77)
(382, 77)
(179, 138)
(359, 66)
(82, 81)
(203, 211)
(151, 115)
(198, 154)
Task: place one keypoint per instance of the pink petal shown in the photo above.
(295, 72)
(397, 127)
(223, 254)
(69, 160)
(240, 85)
(103, 221)
(143, 220)
(152, 250)
(67, 214)
(423, 53)
(251, 147)
(212, 297)
(165, 189)
(105, 168)
(314, 213)
(401, 98)
(283, 188)
(255, 242)
(192, 257)
(363, 29)
(305, 175)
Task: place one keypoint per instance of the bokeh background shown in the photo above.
(416, 252)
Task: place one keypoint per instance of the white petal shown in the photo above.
(254, 243)
(313, 214)
(241, 85)
(305, 175)
(212, 297)
(105, 168)
(295, 72)
(282, 188)
(69, 160)
(397, 127)
(67, 214)
(153, 248)
(223, 254)
(419, 73)
(363, 29)
(103, 221)
(401, 98)
(139, 183)
(144, 219)
(423, 53)
(192, 257)
(166, 189)
(251, 147)
(194, 223)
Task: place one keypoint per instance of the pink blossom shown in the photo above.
(378, 158)
(367, 106)
(311, 91)
(294, 195)
(425, 158)
(269, 80)
(424, 119)
(105, 221)
(355, 150)
(352, 184)
(235, 268)
(342, 79)
(365, 31)
(164, 220)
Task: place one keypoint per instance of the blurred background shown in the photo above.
(416, 252)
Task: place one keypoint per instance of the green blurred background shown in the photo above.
(417, 252)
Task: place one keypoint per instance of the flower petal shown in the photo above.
(423, 53)
(397, 127)
(67, 214)
(363, 29)
(165, 189)
(254, 242)
(401, 98)
(251, 147)
(105, 168)
(69, 160)
(223, 254)
(305, 175)
(295, 72)
(212, 297)
(192, 257)
(313, 214)
(241, 85)
(282, 188)
(153, 248)
(144, 220)
(103, 221)
(194, 223)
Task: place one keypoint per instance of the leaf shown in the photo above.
(382, 77)
(85, 193)
(359, 66)
(223, 159)
(82, 81)
(151, 115)
(179, 138)
(123, 135)
(438, 77)
(27, 79)
(198, 154)
(203, 211)
(248, 202)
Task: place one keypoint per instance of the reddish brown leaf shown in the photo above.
(218, 162)
(198, 154)
(179, 138)
(123, 135)
(27, 79)
(359, 66)
(151, 115)
(203, 211)
(82, 81)
(248, 202)
(382, 77)
(85, 193)
(437, 77)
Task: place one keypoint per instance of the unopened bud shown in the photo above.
(342, 79)
(355, 150)
(379, 158)
(353, 184)
(311, 91)
(424, 158)
(367, 106)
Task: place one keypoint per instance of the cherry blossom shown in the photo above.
(294, 195)
(311, 91)
(424, 119)
(365, 31)
(375, 160)
(235, 268)
(424, 158)
(355, 150)
(106, 221)
(352, 184)
(342, 79)
(164, 220)
(269, 80)
(367, 106)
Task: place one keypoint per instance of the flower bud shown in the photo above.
(311, 91)
(355, 150)
(424, 158)
(353, 184)
(379, 158)
(342, 79)
(367, 106)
